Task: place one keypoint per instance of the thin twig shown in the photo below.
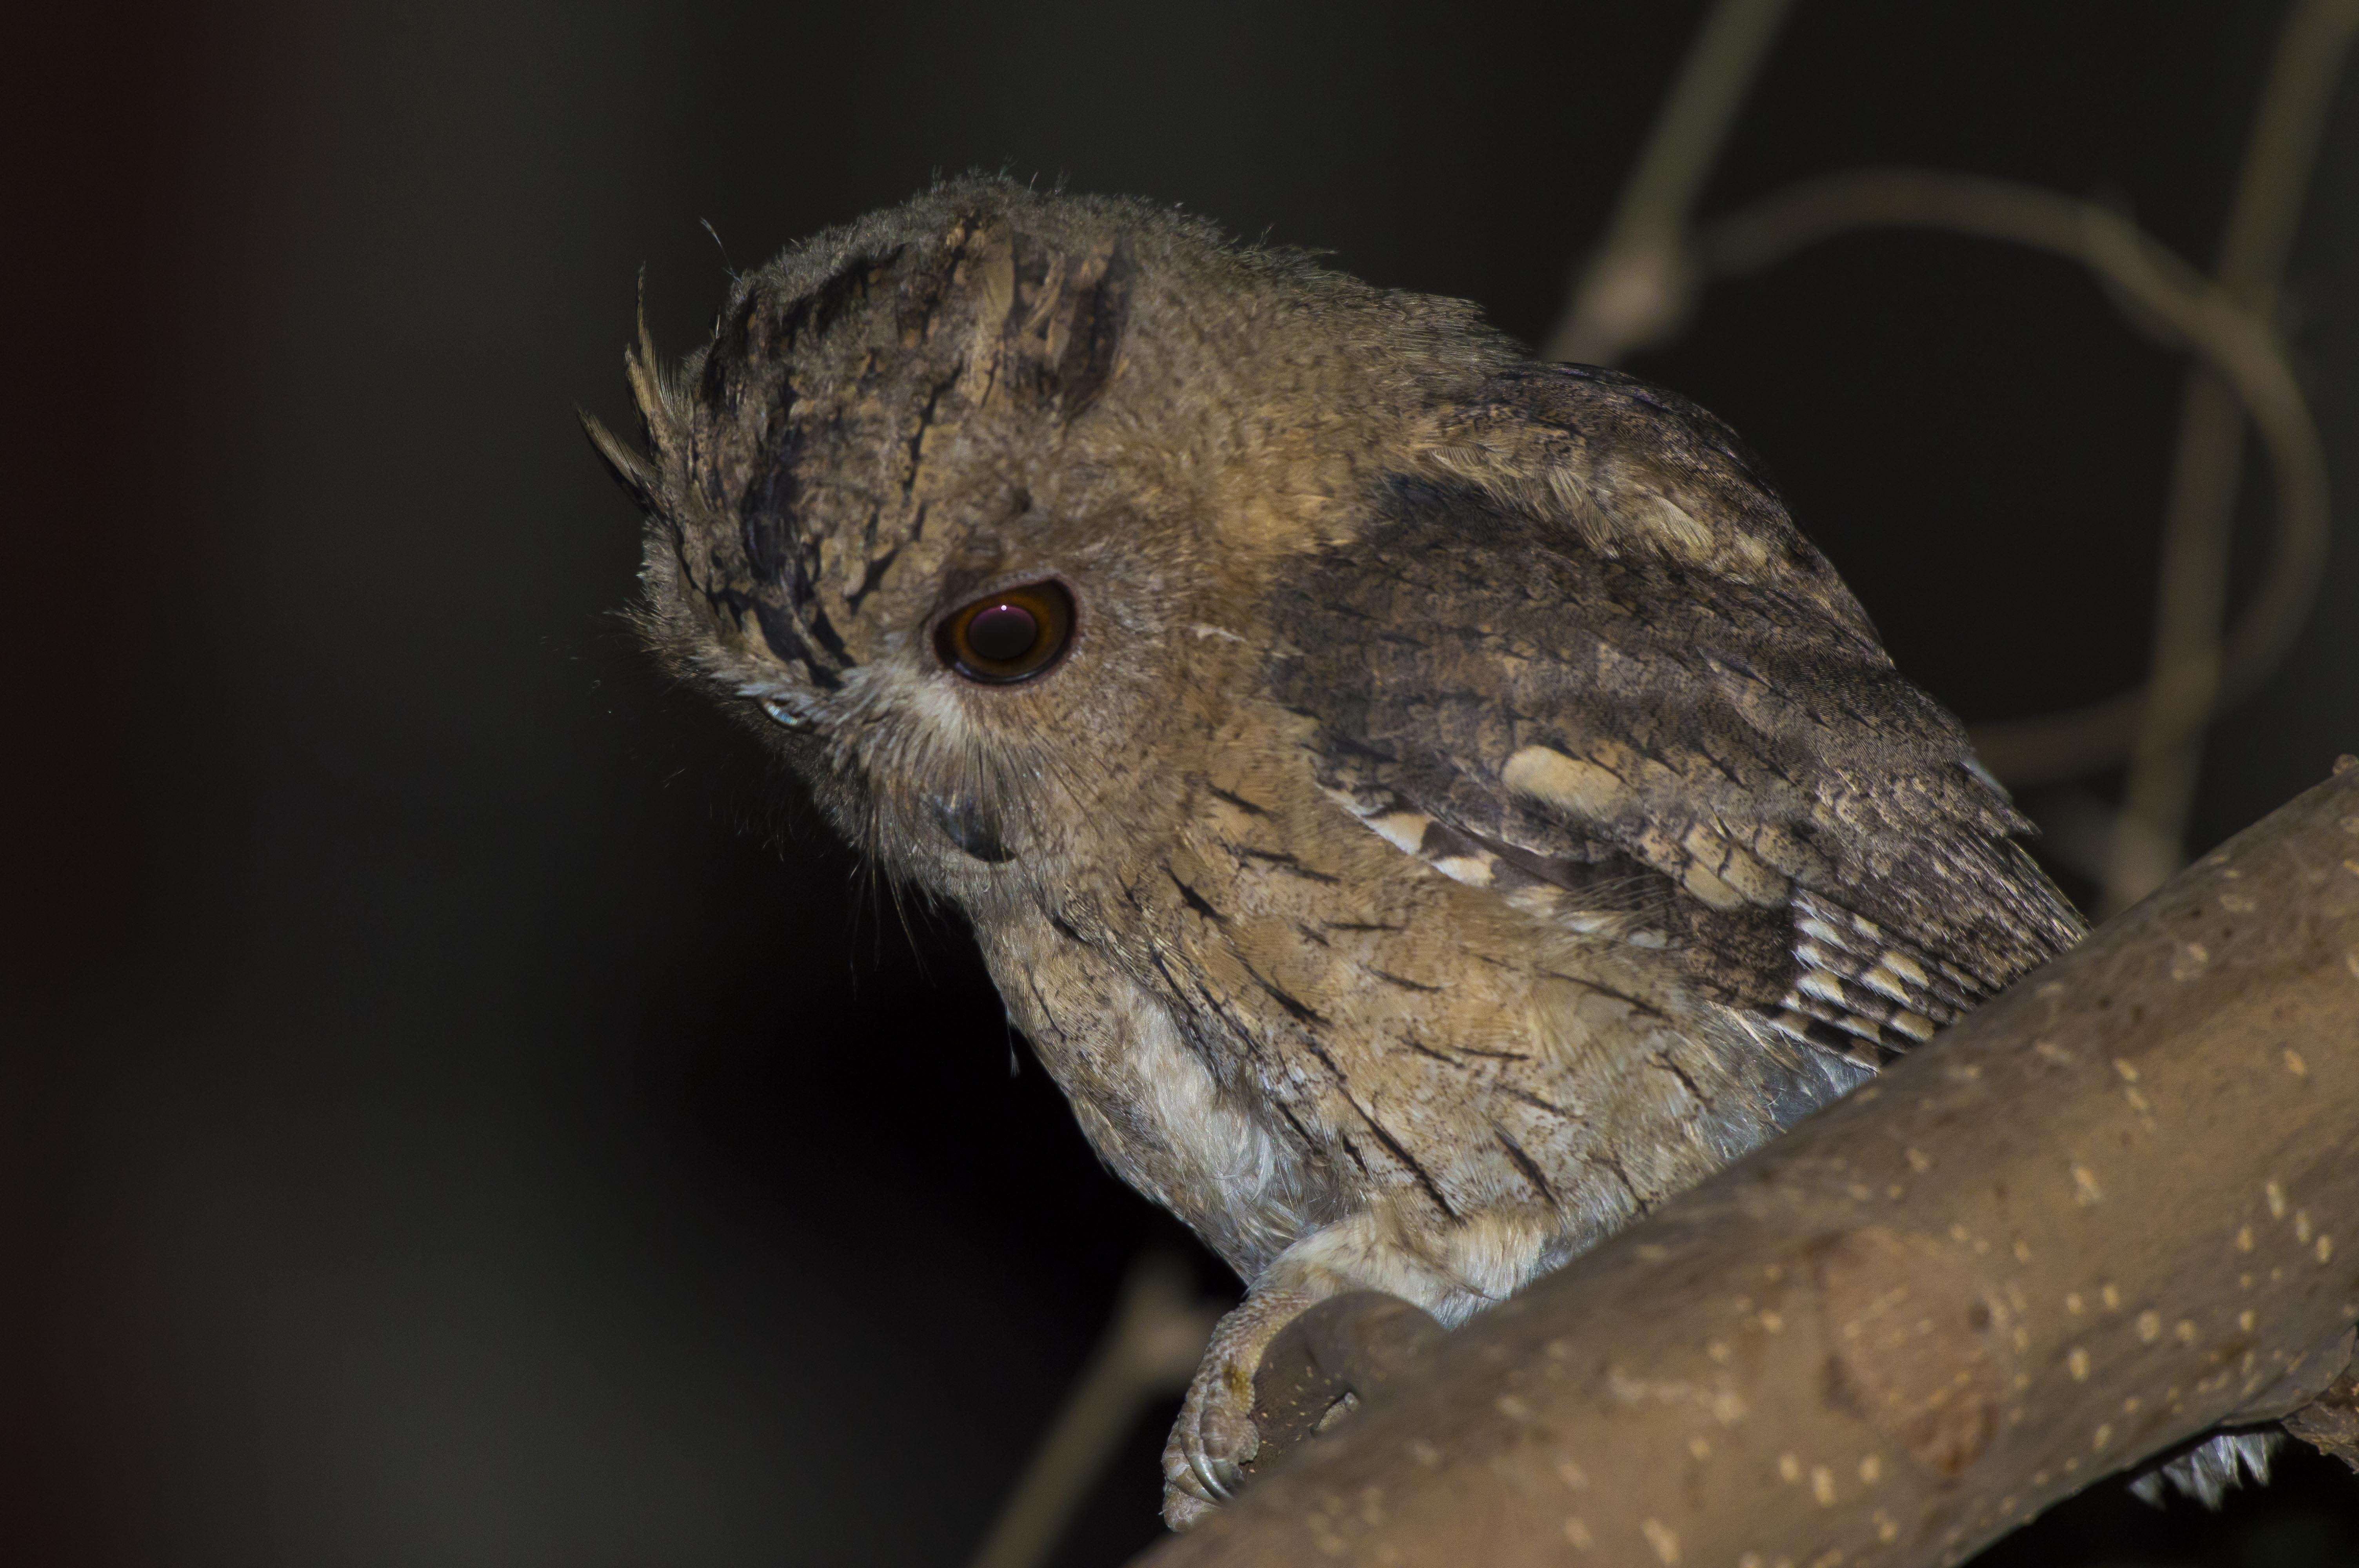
(1149, 1352)
(1638, 287)
(2150, 834)
(2160, 290)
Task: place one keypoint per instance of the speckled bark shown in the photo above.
(2112, 1209)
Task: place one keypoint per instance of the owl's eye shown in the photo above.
(1007, 636)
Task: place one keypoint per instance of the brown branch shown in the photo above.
(2113, 1208)
(2161, 291)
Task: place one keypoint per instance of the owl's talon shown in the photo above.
(1215, 1437)
(1201, 1462)
(1209, 1471)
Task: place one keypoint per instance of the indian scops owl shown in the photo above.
(1424, 807)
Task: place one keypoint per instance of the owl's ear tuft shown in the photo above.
(661, 415)
(1066, 310)
(631, 470)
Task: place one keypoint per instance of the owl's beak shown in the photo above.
(972, 828)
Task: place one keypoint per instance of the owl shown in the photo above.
(1424, 808)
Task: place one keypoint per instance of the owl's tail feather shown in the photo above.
(2209, 1471)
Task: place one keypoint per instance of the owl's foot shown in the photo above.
(1214, 1435)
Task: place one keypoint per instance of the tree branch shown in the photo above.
(2112, 1209)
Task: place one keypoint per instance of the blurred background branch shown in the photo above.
(2159, 291)
(1149, 1352)
(1638, 287)
(2191, 668)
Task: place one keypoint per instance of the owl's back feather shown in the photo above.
(1718, 762)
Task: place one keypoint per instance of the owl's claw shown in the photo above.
(1215, 1436)
(1216, 1477)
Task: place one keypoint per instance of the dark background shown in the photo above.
(455, 1110)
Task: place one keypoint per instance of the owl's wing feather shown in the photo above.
(1721, 767)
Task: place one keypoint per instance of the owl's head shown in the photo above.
(968, 505)
(973, 506)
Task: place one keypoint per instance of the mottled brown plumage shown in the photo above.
(1467, 811)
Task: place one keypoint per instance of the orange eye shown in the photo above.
(1009, 636)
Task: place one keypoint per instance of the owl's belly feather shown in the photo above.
(1443, 1051)
(1483, 1104)
(1162, 1121)
(1276, 1022)
(1149, 1104)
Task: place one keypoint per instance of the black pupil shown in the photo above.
(1002, 634)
